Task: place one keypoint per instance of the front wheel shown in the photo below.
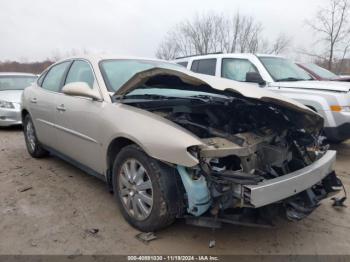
(145, 189)
(33, 146)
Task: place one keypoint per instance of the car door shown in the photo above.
(204, 66)
(42, 104)
(79, 121)
(237, 69)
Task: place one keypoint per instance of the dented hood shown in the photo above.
(247, 90)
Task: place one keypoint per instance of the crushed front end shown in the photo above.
(257, 177)
(261, 156)
(257, 163)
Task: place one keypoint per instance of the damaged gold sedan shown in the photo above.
(171, 143)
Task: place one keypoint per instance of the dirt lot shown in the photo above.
(62, 206)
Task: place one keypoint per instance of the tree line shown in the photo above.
(212, 33)
(38, 67)
(28, 67)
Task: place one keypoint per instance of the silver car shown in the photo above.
(172, 143)
(11, 87)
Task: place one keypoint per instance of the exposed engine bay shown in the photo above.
(247, 142)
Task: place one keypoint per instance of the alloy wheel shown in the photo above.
(135, 189)
(31, 140)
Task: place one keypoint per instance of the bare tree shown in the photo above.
(280, 45)
(202, 35)
(249, 35)
(210, 33)
(332, 26)
(168, 49)
(241, 34)
(340, 64)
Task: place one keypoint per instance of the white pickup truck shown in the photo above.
(330, 99)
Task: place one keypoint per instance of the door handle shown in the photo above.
(61, 108)
(33, 100)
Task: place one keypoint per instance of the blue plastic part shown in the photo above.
(198, 195)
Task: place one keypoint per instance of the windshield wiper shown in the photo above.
(209, 98)
(289, 79)
(203, 98)
(144, 96)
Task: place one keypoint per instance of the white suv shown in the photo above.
(328, 98)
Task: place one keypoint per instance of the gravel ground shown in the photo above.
(48, 206)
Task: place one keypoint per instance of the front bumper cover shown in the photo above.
(277, 189)
(339, 133)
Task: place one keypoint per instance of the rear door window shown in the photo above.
(54, 78)
(204, 66)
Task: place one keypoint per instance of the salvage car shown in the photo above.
(11, 87)
(330, 99)
(171, 143)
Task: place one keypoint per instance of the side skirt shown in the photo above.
(75, 163)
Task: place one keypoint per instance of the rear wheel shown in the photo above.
(145, 189)
(33, 146)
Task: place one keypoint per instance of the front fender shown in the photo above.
(157, 136)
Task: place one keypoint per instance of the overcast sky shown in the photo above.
(38, 29)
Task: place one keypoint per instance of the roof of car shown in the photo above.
(99, 57)
(242, 55)
(16, 74)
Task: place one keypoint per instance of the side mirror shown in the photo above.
(80, 89)
(254, 77)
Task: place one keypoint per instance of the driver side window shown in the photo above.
(81, 71)
(237, 69)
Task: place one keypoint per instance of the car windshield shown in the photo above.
(15, 82)
(324, 73)
(282, 69)
(117, 72)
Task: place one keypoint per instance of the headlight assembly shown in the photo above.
(340, 108)
(5, 104)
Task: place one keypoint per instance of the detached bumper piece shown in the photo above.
(301, 205)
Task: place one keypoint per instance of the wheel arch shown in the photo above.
(311, 107)
(113, 149)
(24, 112)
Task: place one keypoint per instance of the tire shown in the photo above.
(33, 145)
(153, 192)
